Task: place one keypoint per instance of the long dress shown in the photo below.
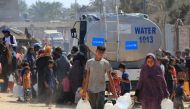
(41, 63)
(151, 88)
(76, 72)
(62, 68)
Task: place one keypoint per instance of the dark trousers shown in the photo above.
(97, 100)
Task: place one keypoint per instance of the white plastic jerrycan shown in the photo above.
(167, 104)
(123, 102)
(108, 105)
(83, 104)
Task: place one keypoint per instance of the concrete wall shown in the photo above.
(170, 37)
(172, 42)
(184, 37)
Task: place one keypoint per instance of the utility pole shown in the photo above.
(144, 6)
(100, 6)
(76, 9)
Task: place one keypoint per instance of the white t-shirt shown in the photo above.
(8, 41)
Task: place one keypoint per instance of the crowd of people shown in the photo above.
(49, 75)
(57, 76)
(163, 76)
(176, 70)
(45, 72)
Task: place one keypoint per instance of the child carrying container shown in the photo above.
(179, 95)
(125, 83)
(27, 84)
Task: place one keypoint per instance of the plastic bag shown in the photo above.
(18, 91)
(83, 104)
(167, 104)
(108, 105)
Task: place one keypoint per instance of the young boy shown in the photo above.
(178, 95)
(19, 77)
(27, 84)
(125, 83)
(49, 82)
(94, 83)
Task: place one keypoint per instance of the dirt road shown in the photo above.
(7, 101)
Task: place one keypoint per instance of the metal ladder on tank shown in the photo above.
(118, 34)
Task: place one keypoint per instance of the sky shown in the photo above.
(66, 3)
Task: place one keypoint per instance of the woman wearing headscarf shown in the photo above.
(151, 88)
(42, 63)
(77, 70)
(30, 59)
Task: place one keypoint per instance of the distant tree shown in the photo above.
(45, 11)
(23, 8)
(97, 5)
(169, 3)
(180, 12)
(160, 11)
(131, 6)
(187, 18)
(73, 11)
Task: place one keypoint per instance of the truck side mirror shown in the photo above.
(73, 33)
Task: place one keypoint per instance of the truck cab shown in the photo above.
(54, 37)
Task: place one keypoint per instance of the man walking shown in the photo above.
(94, 82)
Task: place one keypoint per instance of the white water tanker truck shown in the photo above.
(127, 38)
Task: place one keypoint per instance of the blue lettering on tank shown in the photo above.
(98, 41)
(145, 30)
(137, 30)
(131, 45)
(153, 30)
(142, 31)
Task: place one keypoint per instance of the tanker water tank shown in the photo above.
(128, 40)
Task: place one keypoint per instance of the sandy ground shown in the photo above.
(7, 101)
